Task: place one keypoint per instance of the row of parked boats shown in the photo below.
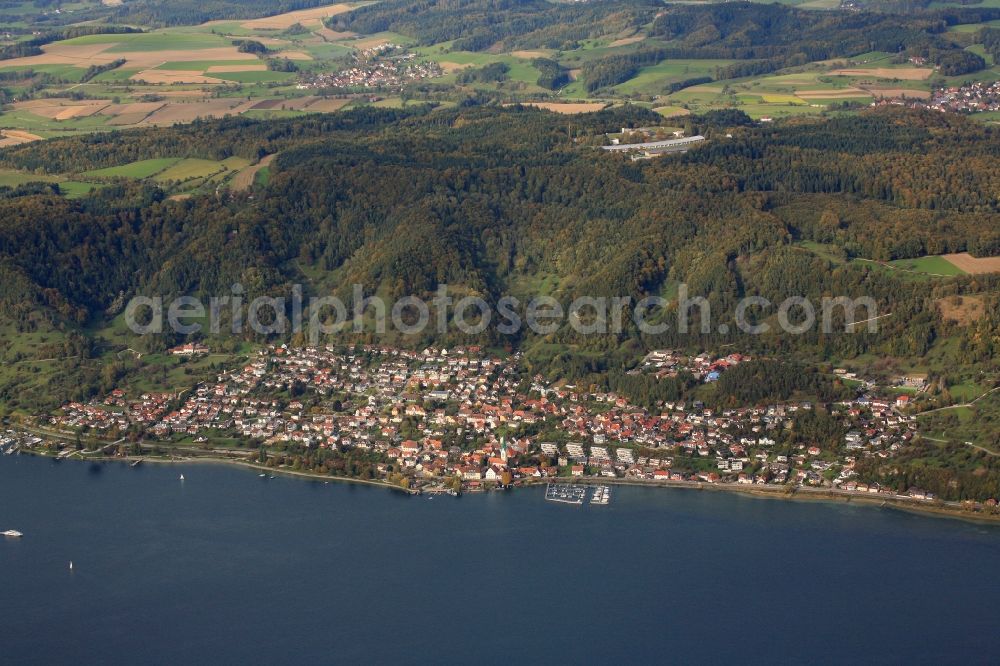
(571, 494)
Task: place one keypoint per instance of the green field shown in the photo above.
(186, 169)
(520, 68)
(138, 170)
(153, 41)
(323, 50)
(71, 189)
(12, 178)
(253, 77)
(74, 189)
(830, 252)
(928, 265)
(655, 79)
(193, 168)
(115, 76)
(65, 72)
(921, 268)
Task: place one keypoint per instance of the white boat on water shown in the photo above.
(12, 533)
(182, 477)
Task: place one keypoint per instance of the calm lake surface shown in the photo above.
(230, 568)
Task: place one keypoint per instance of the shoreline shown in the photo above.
(801, 494)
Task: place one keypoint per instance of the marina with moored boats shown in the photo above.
(567, 493)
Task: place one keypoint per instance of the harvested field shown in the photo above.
(187, 112)
(183, 93)
(296, 55)
(35, 103)
(59, 108)
(327, 105)
(900, 92)
(961, 309)
(85, 55)
(127, 119)
(902, 73)
(672, 111)
(303, 16)
(333, 35)
(244, 179)
(267, 105)
(236, 68)
(298, 103)
(970, 264)
(450, 67)
(89, 110)
(51, 112)
(295, 104)
(529, 55)
(76, 112)
(272, 41)
(144, 108)
(150, 59)
(578, 107)
(80, 55)
(625, 41)
(16, 137)
(171, 76)
(369, 42)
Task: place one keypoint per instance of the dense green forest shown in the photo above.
(766, 38)
(499, 201)
(476, 25)
(188, 12)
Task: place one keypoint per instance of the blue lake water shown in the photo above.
(230, 568)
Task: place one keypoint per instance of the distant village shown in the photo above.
(383, 67)
(461, 418)
(975, 97)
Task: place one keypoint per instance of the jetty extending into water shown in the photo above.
(601, 496)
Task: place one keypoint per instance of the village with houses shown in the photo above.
(463, 420)
(975, 97)
(383, 67)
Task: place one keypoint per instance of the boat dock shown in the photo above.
(565, 493)
(601, 496)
